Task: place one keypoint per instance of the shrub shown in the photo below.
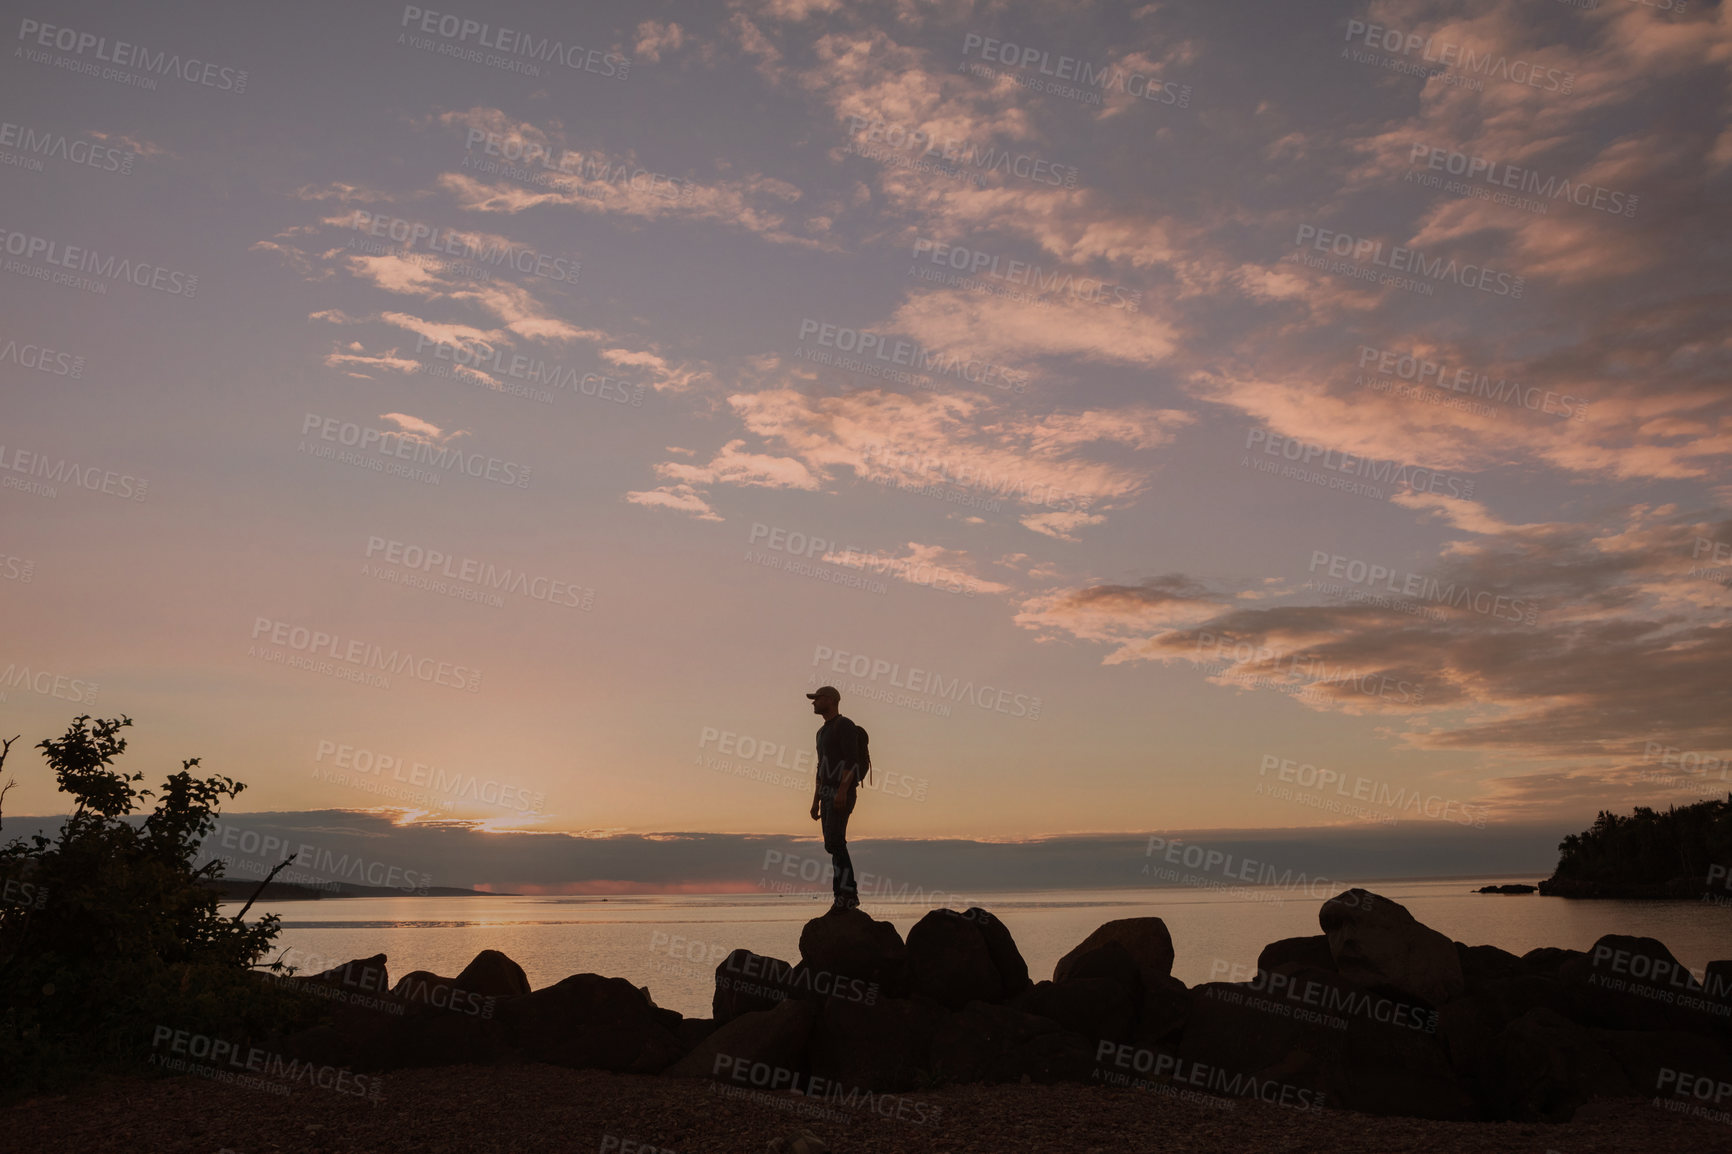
(109, 928)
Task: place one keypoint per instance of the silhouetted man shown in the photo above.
(841, 762)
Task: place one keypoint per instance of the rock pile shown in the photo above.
(1378, 1013)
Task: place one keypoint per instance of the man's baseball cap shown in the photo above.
(825, 691)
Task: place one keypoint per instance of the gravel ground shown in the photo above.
(524, 1109)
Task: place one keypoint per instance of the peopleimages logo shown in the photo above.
(313, 859)
(588, 167)
(88, 260)
(449, 241)
(877, 459)
(1355, 571)
(480, 573)
(1104, 77)
(515, 43)
(866, 343)
(914, 570)
(1504, 175)
(1414, 478)
(105, 158)
(409, 447)
(1299, 672)
(63, 472)
(1691, 761)
(1410, 260)
(47, 683)
(1308, 776)
(239, 1064)
(191, 69)
(42, 359)
(1308, 999)
(1453, 54)
(453, 785)
(482, 356)
(365, 654)
(975, 263)
(1218, 1079)
(1192, 855)
(963, 153)
(1424, 371)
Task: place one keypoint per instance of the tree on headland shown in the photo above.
(1645, 854)
(109, 926)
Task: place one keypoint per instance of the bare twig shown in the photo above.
(262, 886)
(273, 966)
(5, 748)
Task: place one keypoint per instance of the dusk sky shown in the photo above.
(1162, 417)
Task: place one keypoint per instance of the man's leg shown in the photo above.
(842, 884)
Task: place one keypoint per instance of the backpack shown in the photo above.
(865, 755)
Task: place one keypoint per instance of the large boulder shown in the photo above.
(1165, 1010)
(1246, 1030)
(1634, 983)
(1110, 962)
(1048, 1058)
(456, 1037)
(1096, 1008)
(1483, 964)
(1717, 981)
(1320, 1032)
(1507, 999)
(1715, 1002)
(975, 1045)
(361, 976)
(424, 992)
(823, 984)
(853, 944)
(493, 975)
(1311, 951)
(490, 977)
(1145, 939)
(1622, 958)
(1391, 1061)
(1646, 1057)
(948, 961)
(1549, 1066)
(1468, 1031)
(1376, 942)
(359, 1020)
(1006, 958)
(748, 982)
(692, 1031)
(775, 1039)
(885, 1046)
(592, 1022)
(1546, 961)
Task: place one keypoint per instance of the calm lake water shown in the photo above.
(672, 943)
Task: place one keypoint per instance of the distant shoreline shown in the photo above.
(240, 889)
